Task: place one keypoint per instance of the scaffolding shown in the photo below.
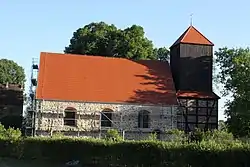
(29, 124)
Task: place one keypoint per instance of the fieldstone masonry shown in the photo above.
(50, 116)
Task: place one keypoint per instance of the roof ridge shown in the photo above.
(71, 54)
(94, 56)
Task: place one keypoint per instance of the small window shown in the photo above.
(106, 118)
(143, 119)
(70, 116)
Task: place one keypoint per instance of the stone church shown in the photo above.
(87, 95)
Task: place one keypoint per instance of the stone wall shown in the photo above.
(124, 116)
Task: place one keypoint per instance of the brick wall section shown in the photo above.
(125, 116)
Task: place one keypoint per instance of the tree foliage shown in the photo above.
(222, 125)
(11, 72)
(161, 54)
(235, 76)
(102, 39)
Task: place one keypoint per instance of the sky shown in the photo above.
(28, 27)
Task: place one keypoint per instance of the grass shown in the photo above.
(7, 162)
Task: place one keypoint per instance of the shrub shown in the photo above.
(198, 135)
(218, 135)
(177, 136)
(58, 135)
(2, 131)
(214, 149)
(152, 136)
(130, 153)
(10, 133)
(113, 135)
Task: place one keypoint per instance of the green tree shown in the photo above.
(11, 72)
(162, 54)
(107, 40)
(235, 76)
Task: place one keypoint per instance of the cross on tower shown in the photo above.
(191, 19)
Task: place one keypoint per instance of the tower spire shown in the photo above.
(191, 19)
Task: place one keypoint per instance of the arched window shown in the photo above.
(70, 116)
(143, 119)
(106, 118)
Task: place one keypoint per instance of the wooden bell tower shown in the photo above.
(191, 61)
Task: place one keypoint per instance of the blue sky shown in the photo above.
(29, 27)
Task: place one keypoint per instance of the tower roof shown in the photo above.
(192, 36)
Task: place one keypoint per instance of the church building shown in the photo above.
(83, 95)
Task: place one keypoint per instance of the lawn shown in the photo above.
(6, 162)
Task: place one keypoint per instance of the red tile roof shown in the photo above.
(192, 36)
(102, 79)
(195, 94)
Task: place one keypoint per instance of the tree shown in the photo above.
(11, 72)
(235, 76)
(102, 39)
(162, 54)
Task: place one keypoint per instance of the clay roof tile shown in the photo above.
(104, 79)
(192, 36)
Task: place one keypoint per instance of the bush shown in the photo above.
(113, 135)
(130, 153)
(218, 135)
(177, 136)
(222, 136)
(10, 133)
(152, 136)
(215, 148)
(57, 135)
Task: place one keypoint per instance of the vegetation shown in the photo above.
(102, 39)
(113, 135)
(10, 133)
(11, 72)
(217, 148)
(234, 74)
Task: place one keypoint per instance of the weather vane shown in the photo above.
(191, 19)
